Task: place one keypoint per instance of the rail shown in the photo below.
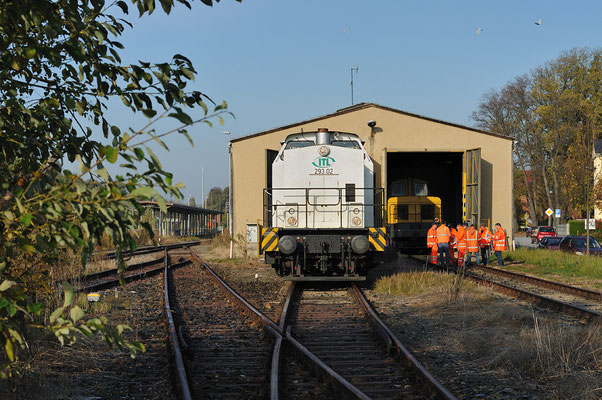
(560, 287)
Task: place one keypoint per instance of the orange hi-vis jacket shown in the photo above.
(452, 238)
(461, 238)
(472, 240)
(499, 240)
(431, 237)
(443, 234)
(485, 237)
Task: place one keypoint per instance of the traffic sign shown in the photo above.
(549, 212)
(557, 213)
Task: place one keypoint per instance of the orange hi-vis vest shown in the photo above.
(485, 237)
(431, 237)
(443, 234)
(453, 236)
(472, 240)
(499, 240)
(461, 238)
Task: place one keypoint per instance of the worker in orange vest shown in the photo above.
(461, 244)
(452, 244)
(499, 243)
(431, 242)
(472, 245)
(485, 243)
(443, 234)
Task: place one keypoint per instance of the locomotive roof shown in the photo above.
(302, 135)
(362, 106)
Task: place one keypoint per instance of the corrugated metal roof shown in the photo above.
(181, 207)
(362, 106)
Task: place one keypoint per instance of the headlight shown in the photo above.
(356, 220)
(292, 221)
(356, 211)
(324, 151)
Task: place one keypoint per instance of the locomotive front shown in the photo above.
(323, 217)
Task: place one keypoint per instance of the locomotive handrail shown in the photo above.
(378, 207)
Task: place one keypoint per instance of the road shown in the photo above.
(522, 241)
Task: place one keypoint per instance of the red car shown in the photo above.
(542, 231)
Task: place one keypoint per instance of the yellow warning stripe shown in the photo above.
(378, 238)
(269, 239)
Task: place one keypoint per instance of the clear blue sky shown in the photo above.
(278, 62)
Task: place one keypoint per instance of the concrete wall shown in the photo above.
(394, 131)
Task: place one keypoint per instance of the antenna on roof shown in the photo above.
(356, 69)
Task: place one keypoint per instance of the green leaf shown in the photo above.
(144, 191)
(57, 313)
(110, 153)
(26, 219)
(8, 348)
(161, 204)
(182, 117)
(68, 294)
(149, 113)
(76, 314)
(139, 153)
(6, 284)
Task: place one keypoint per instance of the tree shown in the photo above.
(60, 65)
(217, 199)
(553, 113)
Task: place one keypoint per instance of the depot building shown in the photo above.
(469, 169)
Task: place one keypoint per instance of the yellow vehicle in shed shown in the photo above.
(410, 213)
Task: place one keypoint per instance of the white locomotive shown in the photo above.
(323, 217)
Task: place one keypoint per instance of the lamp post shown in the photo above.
(230, 205)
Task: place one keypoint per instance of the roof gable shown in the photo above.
(363, 106)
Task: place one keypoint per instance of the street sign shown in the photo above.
(549, 212)
(592, 224)
(557, 213)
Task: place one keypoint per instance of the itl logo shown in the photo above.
(323, 162)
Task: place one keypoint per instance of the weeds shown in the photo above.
(546, 262)
(436, 284)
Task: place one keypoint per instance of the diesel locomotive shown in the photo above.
(410, 213)
(323, 217)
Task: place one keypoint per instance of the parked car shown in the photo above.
(542, 231)
(550, 242)
(577, 244)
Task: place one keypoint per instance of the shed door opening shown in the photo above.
(442, 171)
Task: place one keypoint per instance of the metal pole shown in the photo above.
(356, 69)
(203, 186)
(230, 203)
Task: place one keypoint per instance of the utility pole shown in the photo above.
(356, 69)
(203, 186)
(587, 186)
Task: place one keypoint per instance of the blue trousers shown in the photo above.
(469, 258)
(443, 249)
(500, 260)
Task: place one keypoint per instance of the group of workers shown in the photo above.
(443, 241)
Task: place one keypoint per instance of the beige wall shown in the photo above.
(395, 132)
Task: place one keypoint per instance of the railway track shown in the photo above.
(229, 354)
(111, 278)
(150, 249)
(531, 290)
(542, 294)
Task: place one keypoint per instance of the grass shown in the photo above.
(547, 263)
(434, 284)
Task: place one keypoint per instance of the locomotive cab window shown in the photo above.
(421, 189)
(399, 189)
(349, 144)
(298, 144)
